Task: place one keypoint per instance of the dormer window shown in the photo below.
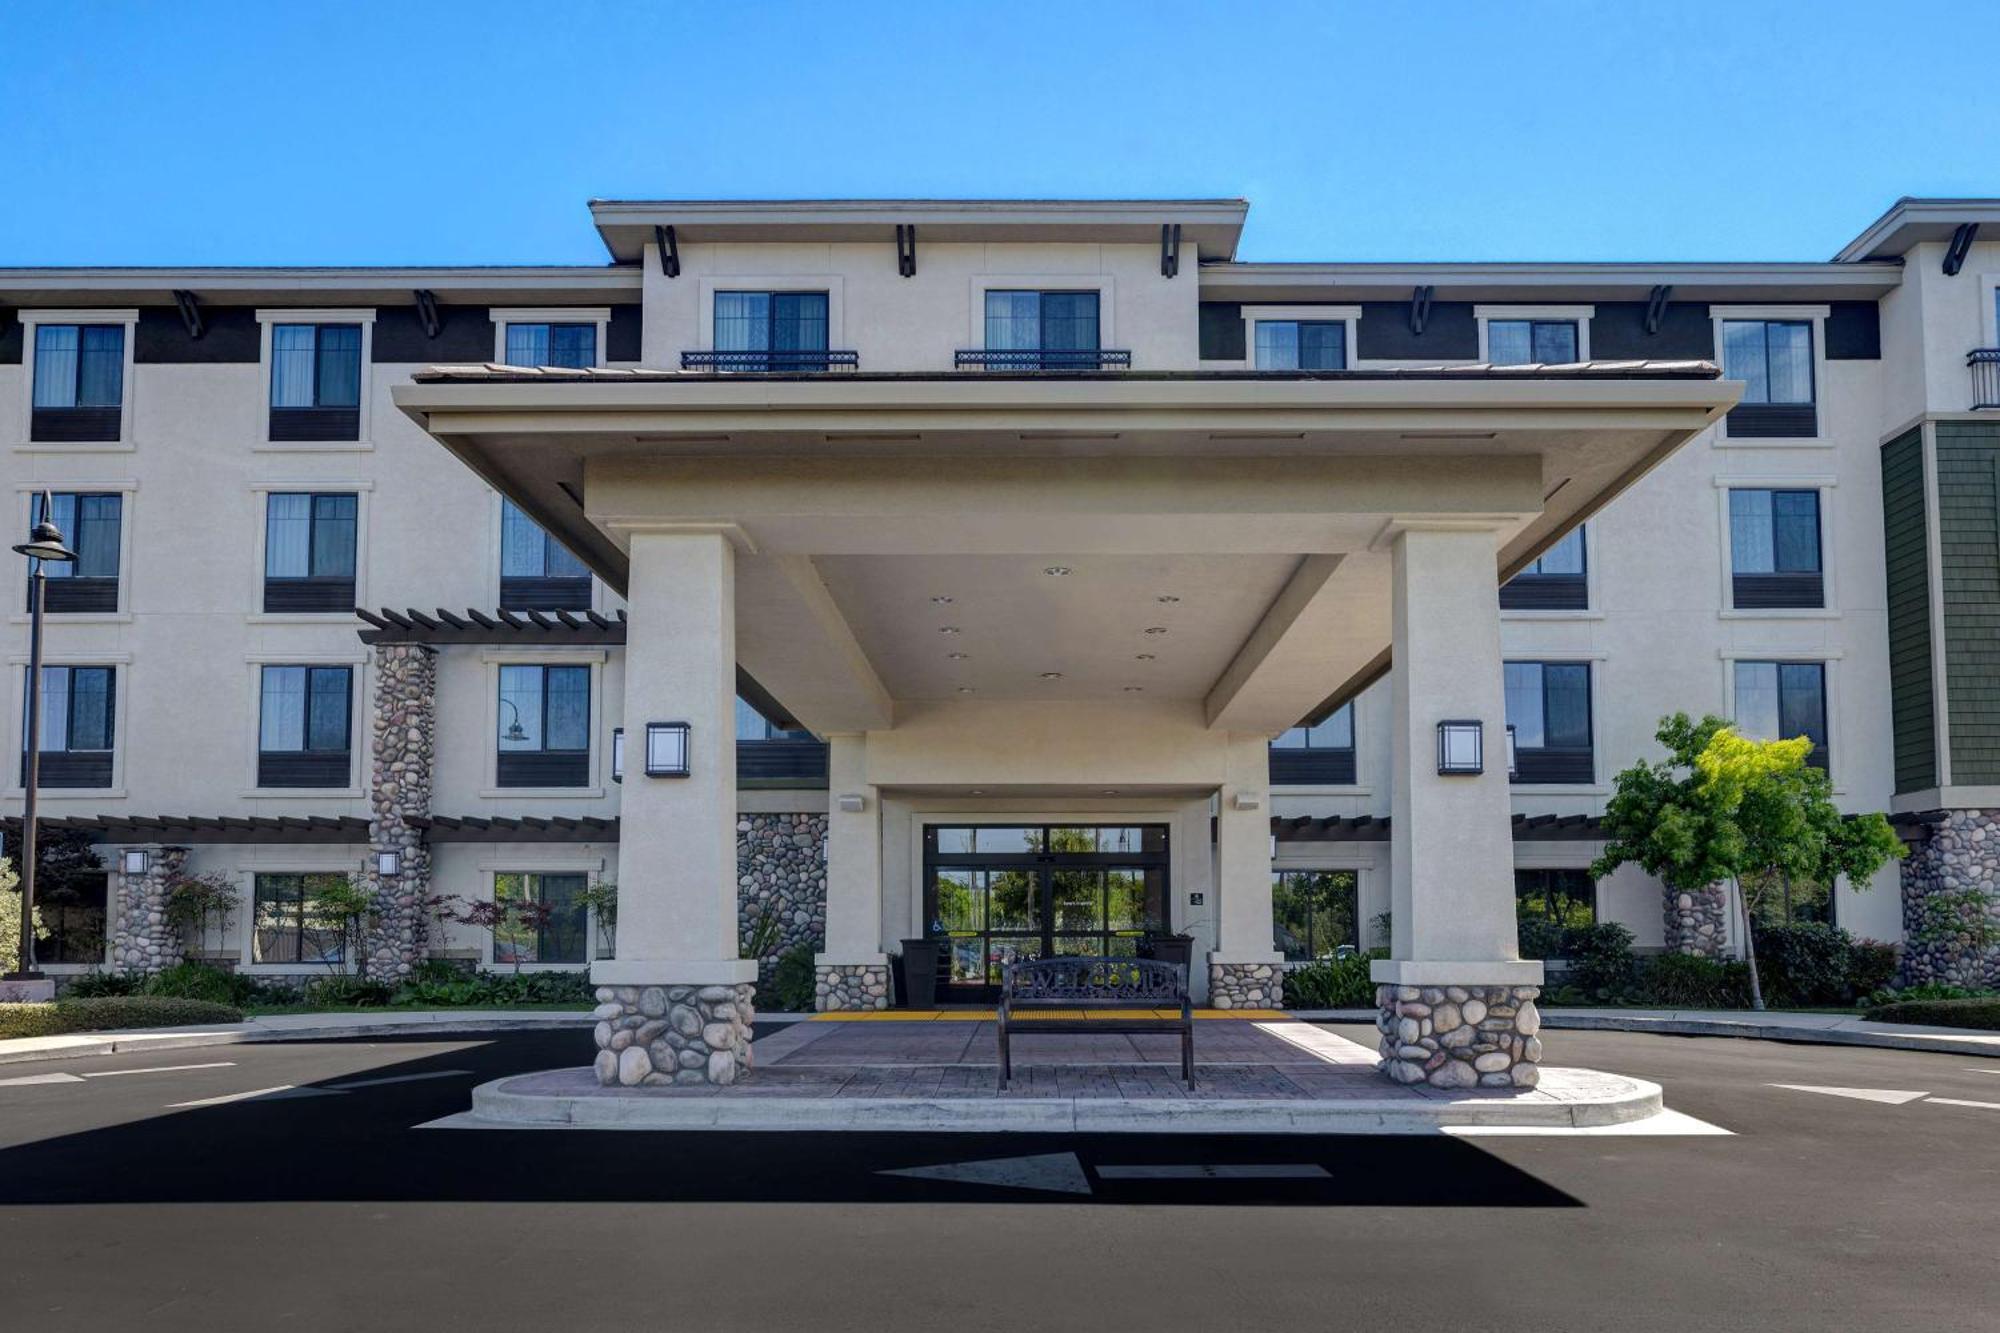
(1042, 330)
(1301, 344)
(771, 331)
(569, 345)
(79, 392)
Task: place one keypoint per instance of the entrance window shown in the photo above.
(560, 935)
(1314, 913)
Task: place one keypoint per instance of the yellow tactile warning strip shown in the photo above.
(989, 1015)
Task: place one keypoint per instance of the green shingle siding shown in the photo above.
(1908, 560)
(1968, 464)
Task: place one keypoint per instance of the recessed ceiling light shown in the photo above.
(956, 657)
(941, 601)
(953, 629)
(1166, 599)
(1144, 657)
(1156, 629)
(1052, 675)
(1057, 570)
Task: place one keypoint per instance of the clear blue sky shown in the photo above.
(426, 131)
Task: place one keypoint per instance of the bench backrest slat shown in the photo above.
(1089, 980)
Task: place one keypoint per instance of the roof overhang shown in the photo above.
(1214, 225)
(1911, 222)
(1548, 282)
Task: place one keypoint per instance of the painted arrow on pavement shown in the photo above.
(1887, 1096)
(1056, 1172)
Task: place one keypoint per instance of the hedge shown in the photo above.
(101, 1014)
(1979, 1013)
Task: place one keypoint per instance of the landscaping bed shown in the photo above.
(1981, 1012)
(103, 1013)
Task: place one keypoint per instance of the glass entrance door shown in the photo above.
(997, 894)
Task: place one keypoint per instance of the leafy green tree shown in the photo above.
(1725, 808)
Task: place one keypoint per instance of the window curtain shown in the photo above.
(287, 535)
(1565, 557)
(1789, 354)
(520, 718)
(55, 365)
(568, 708)
(1566, 706)
(1509, 342)
(562, 939)
(1013, 321)
(742, 321)
(1554, 342)
(799, 323)
(1743, 358)
(521, 543)
(1069, 323)
(64, 518)
(333, 535)
(1795, 525)
(1802, 701)
(1751, 543)
(1322, 346)
(572, 345)
(1523, 684)
(339, 371)
(528, 345)
(97, 537)
(558, 563)
(55, 710)
(282, 729)
(1277, 344)
(1757, 700)
(101, 370)
(327, 708)
(292, 365)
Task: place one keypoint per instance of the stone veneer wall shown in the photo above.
(846, 986)
(402, 760)
(781, 873)
(1246, 985)
(1696, 920)
(142, 940)
(1460, 1036)
(653, 1035)
(1962, 852)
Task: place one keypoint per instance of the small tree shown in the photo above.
(193, 901)
(348, 909)
(601, 900)
(10, 917)
(1725, 808)
(511, 921)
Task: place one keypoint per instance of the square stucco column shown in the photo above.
(853, 973)
(1457, 1003)
(675, 1005)
(1244, 971)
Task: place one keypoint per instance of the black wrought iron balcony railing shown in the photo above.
(777, 362)
(1043, 358)
(1984, 362)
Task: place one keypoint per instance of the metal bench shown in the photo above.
(1132, 984)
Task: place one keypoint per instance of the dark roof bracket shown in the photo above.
(906, 249)
(190, 314)
(427, 311)
(1420, 309)
(670, 251)
(1170, 249)
(1656, 307)
(1961, 244)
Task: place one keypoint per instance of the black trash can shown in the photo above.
(1168, 949)
(919, 974)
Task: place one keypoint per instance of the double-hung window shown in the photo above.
(1548, 706)
(79, 382)
(1320, 755)
(315, 381)
(78, 706)
(553, 930)
(1781, 701)
(304, 726)
(569, 345)
(1523, 342)
(1774, 359)
(544, 726)
(1301, 344)
(91, 524)
(537, 572)
(1042, 330)
(771, 331)
(1774, 550)
(289, 924)
(1558, 580)
(309, 551)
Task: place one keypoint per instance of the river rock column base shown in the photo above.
(1950, 880)
(1246, 985)
(650, 1036)
(142, 940)
(839, 987)
(1460, 1036)
(1695, 920)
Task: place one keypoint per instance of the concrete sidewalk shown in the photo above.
(1771, 1025)
(292, 1027)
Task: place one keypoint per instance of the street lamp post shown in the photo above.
(44, 544)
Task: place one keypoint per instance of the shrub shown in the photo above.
(794, 981)
(1982, 1012)
(104, 1013)
(1540, 938)
(1927, 990)
(1805, 963)
(1871, 965)
(1332, 983)
(1684, 981)
(344, 990)
(194, 981)
(95, 985)
(1600, 959)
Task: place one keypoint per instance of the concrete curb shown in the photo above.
(287, 1028)
(494, 1106)
(1940, 1041)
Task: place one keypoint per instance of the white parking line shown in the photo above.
(1960, 1101)
(29, 1080)
(395, 1078)
(228, 1097)
(160, 1069)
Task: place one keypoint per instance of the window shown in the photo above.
(1557, 581)
(309, 548)
(72, 912)
(91, 526)
(79, 382)
(1042, 331)
(1322, 754)
(315, 381)
(555, 928)
(1521, 342)
(1315, 913)
(288, 923)
(571, 345)
(1301, 344)
(1774, 549)
(1781, 700)
(770, 755)
(544, 726)
(77, 727)
(537, 573)
(1548, 705)
(1560, 898)
(771, 330)
(1774, 359)
(303, 728)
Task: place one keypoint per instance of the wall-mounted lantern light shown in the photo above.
(388, 864)
(1513, 755)
(1461, 747)
(853, 803)
(136, 861)
(618, 754)
(666, 749)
